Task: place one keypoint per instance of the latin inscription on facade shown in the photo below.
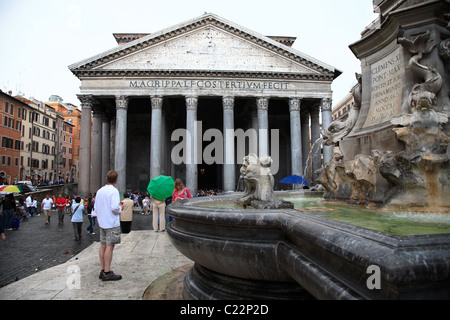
(387, 80)
(209, 84)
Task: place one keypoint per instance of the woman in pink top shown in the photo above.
(180, 192)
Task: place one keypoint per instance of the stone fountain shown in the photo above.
(283, 253)
(392, 152)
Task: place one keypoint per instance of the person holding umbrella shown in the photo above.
(294, 179)
(160, 188)
(159, 214)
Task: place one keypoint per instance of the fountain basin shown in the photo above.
(290, 254)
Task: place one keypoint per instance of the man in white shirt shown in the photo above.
(47, 207)
(108, 208)
(28, 202)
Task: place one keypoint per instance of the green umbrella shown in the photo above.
(161, 187)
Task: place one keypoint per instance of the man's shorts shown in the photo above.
(110, 237)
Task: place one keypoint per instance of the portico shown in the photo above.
(207, 76)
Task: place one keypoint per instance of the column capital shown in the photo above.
(262, 103)
(325, 104)
(294, 104)
(157, 102)
(87, 100)
(191, 102)
(122, 102)
(228, 102)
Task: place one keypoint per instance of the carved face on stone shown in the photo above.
(422, 100)
(252, 172)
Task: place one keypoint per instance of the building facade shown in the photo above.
(72, 120)
(26, 142)
(40, 141)
(180, 102)
(341, 110)
(11, 121)
(65, 161)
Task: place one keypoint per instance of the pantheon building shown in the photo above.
(205, 77)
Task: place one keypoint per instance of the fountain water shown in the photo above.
(313, 153)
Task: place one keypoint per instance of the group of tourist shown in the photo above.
(150, 204)
(10, 210)
(114, 216)
(30, 207)
(208, 192)
(109, 210)
(74, 207)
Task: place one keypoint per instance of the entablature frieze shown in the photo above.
(178, 86)
(85, 74)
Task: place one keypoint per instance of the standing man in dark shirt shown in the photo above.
(9, 207)
(2, 224)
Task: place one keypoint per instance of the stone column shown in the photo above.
(87, 102)
(96, 151)
(326, 120)
(191, 145)
(156, 137)
(106, 150)
(120, 160)
(112, 144)
(316, 149)
(229, 155)
(262, 105)
(296, 137)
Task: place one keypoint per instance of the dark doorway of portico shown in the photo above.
(210, 113)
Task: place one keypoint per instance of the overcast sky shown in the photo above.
(40, 39)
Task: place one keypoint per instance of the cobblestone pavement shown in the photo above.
(36, 246)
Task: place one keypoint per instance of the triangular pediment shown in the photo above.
(208, 43)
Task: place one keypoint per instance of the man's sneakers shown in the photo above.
(109, 276)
